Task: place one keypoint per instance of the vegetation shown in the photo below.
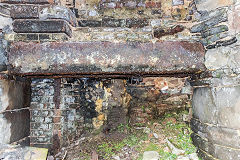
(138, 140)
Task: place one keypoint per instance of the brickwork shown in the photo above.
(63, 109)
(42, 112)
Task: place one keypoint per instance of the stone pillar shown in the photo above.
(14, 111)
(216, 118)
(63, 109)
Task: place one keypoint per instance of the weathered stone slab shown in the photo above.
(57, 12)
(24, 11)
(106, 58)
(217, 151)
(218, 135)
(11, 152)
(223, 57)
(45, 26)
(13, 110)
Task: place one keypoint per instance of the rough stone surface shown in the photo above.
(57, 12)
(24, 11)
(14, 96)
(209, 5)
(3, 57)
(234, 18)
(106, 57)
(11, 152)
(5, 22)
(214, 150)
(223, 57)
(210, 22)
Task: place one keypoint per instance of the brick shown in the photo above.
(27, 1)
(169, 57)
(151, 4)
(24, 11)
(37, 26)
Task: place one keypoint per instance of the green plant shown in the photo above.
(143, 109)
(106, 150)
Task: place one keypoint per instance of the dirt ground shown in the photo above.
(130, 142)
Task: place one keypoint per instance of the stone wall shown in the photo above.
(62, 110)
(215, 98)
(55, 33)
(14, 111)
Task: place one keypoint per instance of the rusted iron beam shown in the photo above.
(106, 58)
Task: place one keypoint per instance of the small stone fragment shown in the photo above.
(174, 149)
(116, 157)
(146, 130)
(151, 155)
(177, 2)
(155, 135)
(182, 158)
(193, 156)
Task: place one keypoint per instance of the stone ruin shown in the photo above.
(71, 65)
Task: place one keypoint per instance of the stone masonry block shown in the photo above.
(57, 12)
(218, 135)
(24, 11)
(204, 107)
(37, 26)
(217, 151)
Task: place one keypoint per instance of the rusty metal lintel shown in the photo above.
(116, 75)
(106, 59)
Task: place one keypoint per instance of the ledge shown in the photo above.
(98, 58)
